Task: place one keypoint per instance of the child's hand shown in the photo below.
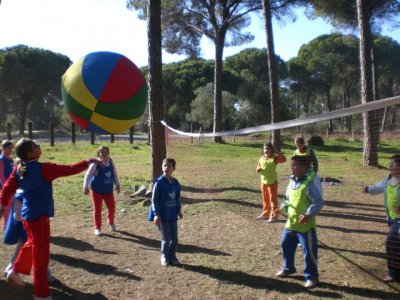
(180, 215)
(86, 191)
(118, 189)
(365, 190)
(258, 169)
(157, 220)
(93, 161)
(303, 219)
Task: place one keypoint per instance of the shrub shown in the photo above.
(316, 140)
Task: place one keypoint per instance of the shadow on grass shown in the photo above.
(186, 200)
(352, 230)
(355, 216)
(374, 254)
(257, 282)
(360, 291)
(354, 205)
(91, 267)
(152, 243)
(286, 287)
(192, 189)
(75, 244)
(59, 291)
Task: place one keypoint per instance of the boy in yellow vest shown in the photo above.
(303, 150)
(304, 202)
(390, 187)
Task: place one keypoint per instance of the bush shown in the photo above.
(316, 140)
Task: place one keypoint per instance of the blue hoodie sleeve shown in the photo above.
(155, 199)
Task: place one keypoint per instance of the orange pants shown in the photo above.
(269, 194)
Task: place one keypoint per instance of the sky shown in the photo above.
(77, 27)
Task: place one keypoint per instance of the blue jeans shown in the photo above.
(392, 250)
(309, 244)
(169, 239)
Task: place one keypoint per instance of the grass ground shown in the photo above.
(225, 252)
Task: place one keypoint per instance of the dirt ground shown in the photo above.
(225, 254)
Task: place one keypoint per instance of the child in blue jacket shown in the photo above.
(166, 207)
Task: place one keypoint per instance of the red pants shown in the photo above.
(270, 199)
(6, 212)
(36, 253)
(97, 200)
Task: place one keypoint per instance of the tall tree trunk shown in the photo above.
(217, 121)
(370, 122)
(22, 117)
(273, 74)
(155, 95)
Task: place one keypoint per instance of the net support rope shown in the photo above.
(357, 109)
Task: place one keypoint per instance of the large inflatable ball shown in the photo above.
(104, 92)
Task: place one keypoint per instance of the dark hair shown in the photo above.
(22, 148)
(102, 148)
(396, 159)
(299, 140)
(302, 160)
(5, 144)
(170, 160)
(270, 146)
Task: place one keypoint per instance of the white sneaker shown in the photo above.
(310, 284)
(7, 269)
(97, 232)
(164, 261)
(113, 228)
(14, 279)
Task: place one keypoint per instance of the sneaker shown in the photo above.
(7, 269)
(271, 220)
(388, 278)
(113, 228)
(14, 279)
(261, 217)
(164, 261)
(175, 262)
(282, 274)
(97, 232)
(310, 283)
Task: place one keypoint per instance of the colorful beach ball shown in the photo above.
(104, 92)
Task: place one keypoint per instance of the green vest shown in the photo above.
(307, 153)
(298, 204)
(391, 200)
(268, 172)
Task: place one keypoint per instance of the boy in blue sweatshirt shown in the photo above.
(166, 206)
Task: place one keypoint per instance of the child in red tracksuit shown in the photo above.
(101, 178)
(35, 180)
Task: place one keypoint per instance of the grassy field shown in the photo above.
(225, 252)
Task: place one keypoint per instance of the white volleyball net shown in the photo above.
(352, 224)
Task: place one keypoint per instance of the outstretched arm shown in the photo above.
(52, 171)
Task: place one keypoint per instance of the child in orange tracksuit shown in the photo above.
(266, 166)
(35, 180)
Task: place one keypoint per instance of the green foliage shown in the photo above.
(202, 108)
(316, 140)
(31, 76)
